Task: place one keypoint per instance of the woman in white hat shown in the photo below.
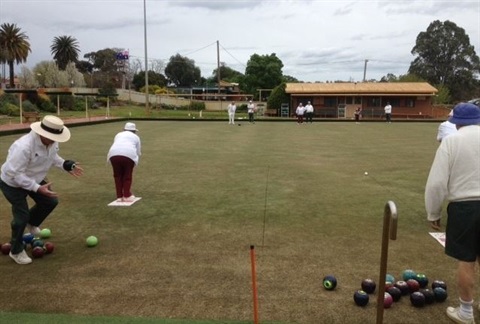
(124, 155)
(24, 174)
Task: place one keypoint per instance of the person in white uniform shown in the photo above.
(24, 174)
(231, 113)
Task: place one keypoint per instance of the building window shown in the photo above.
(330, 102)
(358, 100)
(410, 102)
(374, 102)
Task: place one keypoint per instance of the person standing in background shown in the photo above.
(231, 113)
(358, 115)
(446, 128)
(309, 112)
(388, 112)
(124, 155)
(299, 112)
(251, 112)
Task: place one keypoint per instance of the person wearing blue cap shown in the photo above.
(455, 177)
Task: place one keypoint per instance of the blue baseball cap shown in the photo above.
(465, 114)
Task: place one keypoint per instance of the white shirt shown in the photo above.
(309, 108)
(28, 162)
(455, 172)
(231, 109)
(126, 144)
(444, 129)
(388, 109)
(300, 110)
(251, 107)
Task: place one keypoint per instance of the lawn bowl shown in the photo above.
(395, 292)
(369, 286)
(329, 282)
(390, 278)
(37, 242)
(28, 238)
(48, 247)
(388, 285)
(409, 274)
(417, 299)
(440, 294)
(45, 233)
(429, 296)
(387, 300)
(413, 285)
(422, 280)
(439, 283)
(403, 286)
(6, 247)
(361, 298)
(38, 252)
(92, 241)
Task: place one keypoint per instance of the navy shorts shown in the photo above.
(463, 230)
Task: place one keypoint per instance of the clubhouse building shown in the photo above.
(339, 100)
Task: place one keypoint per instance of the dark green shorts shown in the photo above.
(463, 230)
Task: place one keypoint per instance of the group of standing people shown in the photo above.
(307, 111)
(232, 108)
(24, 174)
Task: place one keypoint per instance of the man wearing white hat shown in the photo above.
(24, 174)
(124, 155)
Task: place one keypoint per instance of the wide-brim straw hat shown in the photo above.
(52, 128)
(465, 114)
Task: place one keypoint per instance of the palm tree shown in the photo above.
(64, 50)
(15, 47)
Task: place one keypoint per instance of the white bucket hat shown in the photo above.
(130, 127)
(52, 128)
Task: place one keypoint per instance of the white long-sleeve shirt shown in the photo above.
(444, 129)
(126, 143)
(28, 162)
(455, 172)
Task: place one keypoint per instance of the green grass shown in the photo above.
(210, 190)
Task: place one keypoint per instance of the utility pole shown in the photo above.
(218, 66)
(365, 71)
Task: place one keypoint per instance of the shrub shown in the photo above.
(28, 106)
(45, 104)
(196, 105)
(9, 109)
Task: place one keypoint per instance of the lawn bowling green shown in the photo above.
(182, 252)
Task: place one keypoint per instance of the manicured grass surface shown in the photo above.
(298, 193)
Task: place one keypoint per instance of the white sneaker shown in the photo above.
(21, 258)
(35, 230)
(454, 314)
(129, 199)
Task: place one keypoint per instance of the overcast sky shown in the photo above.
(317, 40)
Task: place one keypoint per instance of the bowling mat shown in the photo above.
(124, 204)
(439, 236)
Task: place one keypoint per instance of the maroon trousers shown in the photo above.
(122, 173)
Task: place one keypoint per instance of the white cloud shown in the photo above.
(316, 40)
